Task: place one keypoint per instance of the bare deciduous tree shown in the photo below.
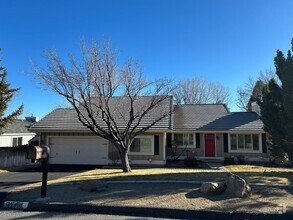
(199, 91)
(108, 98)
(245, 92)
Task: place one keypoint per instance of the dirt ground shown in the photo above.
(171, 195)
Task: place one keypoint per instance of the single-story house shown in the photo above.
(16, 133)
(206, 131)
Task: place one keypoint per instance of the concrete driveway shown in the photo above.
(10, 180)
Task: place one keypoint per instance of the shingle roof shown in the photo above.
(215, 118)
(198, 117)
(18, 126)
(65, 119)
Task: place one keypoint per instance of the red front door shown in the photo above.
(209, 145)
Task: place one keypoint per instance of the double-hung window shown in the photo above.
(244, 142)
(16, 141)
(184, 139)
(142, 145)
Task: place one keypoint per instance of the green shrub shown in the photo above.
(190, 162)
(229, 161)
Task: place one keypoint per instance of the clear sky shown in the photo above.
(223, 41)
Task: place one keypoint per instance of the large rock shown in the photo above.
(237, 186)
(211, 188)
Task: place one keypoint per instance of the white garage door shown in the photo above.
(78, 150)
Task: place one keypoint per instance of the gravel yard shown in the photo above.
(163, 195)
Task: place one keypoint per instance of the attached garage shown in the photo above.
(86, 150)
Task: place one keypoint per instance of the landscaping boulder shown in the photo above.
(211, 188)
(237, 186)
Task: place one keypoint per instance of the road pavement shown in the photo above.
(16, 214)
(32, 174)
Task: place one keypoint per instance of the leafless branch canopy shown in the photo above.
(116, 103)
(244, 93)
(200, 91)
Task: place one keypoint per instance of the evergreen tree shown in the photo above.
(277, 106)
(6, 94)
(256, 93)
(272, 111)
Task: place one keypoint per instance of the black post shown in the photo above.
(44, 177)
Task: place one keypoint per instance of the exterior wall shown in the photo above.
(45, 135)
(219, 145)
(6, 140)
(190, 150)
(250, 156)
(114, 157)
(219, 149)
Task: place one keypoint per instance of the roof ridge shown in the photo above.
(201, 104)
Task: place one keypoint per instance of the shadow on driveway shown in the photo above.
(58, 168)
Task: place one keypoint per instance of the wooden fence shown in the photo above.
(13, 156)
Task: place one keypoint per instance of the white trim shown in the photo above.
(211, 158)
(164, 145)
(152, 137)
(198, 157)
(245, 151)
(216, 131)
(141, 162)
(17, 134)
(72, 136)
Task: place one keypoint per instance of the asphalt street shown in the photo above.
(15, 214)
(12, 179)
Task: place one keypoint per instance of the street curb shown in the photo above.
(147, 212)
(167, 181)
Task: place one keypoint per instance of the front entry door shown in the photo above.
(209, 145)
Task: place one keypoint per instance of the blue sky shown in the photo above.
(223, 41)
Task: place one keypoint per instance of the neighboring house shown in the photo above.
(207, 131)
(17, 133)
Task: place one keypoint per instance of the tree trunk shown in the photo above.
(125, 161)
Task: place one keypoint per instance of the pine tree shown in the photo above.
(256, 93)
(277, 106)
(272, 111)
(6, 94)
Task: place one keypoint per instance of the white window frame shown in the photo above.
(187, 146)
(152, 146)
(17, 141)
(245, 150)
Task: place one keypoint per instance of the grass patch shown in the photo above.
(262, 174)
(138, 174)
(3, 171)
(147, 174)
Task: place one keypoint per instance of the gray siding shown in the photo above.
(114, 155)
(112, 151)
(219, 145)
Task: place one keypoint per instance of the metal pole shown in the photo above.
(44, 177)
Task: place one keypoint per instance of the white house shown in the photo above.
(17, 133)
